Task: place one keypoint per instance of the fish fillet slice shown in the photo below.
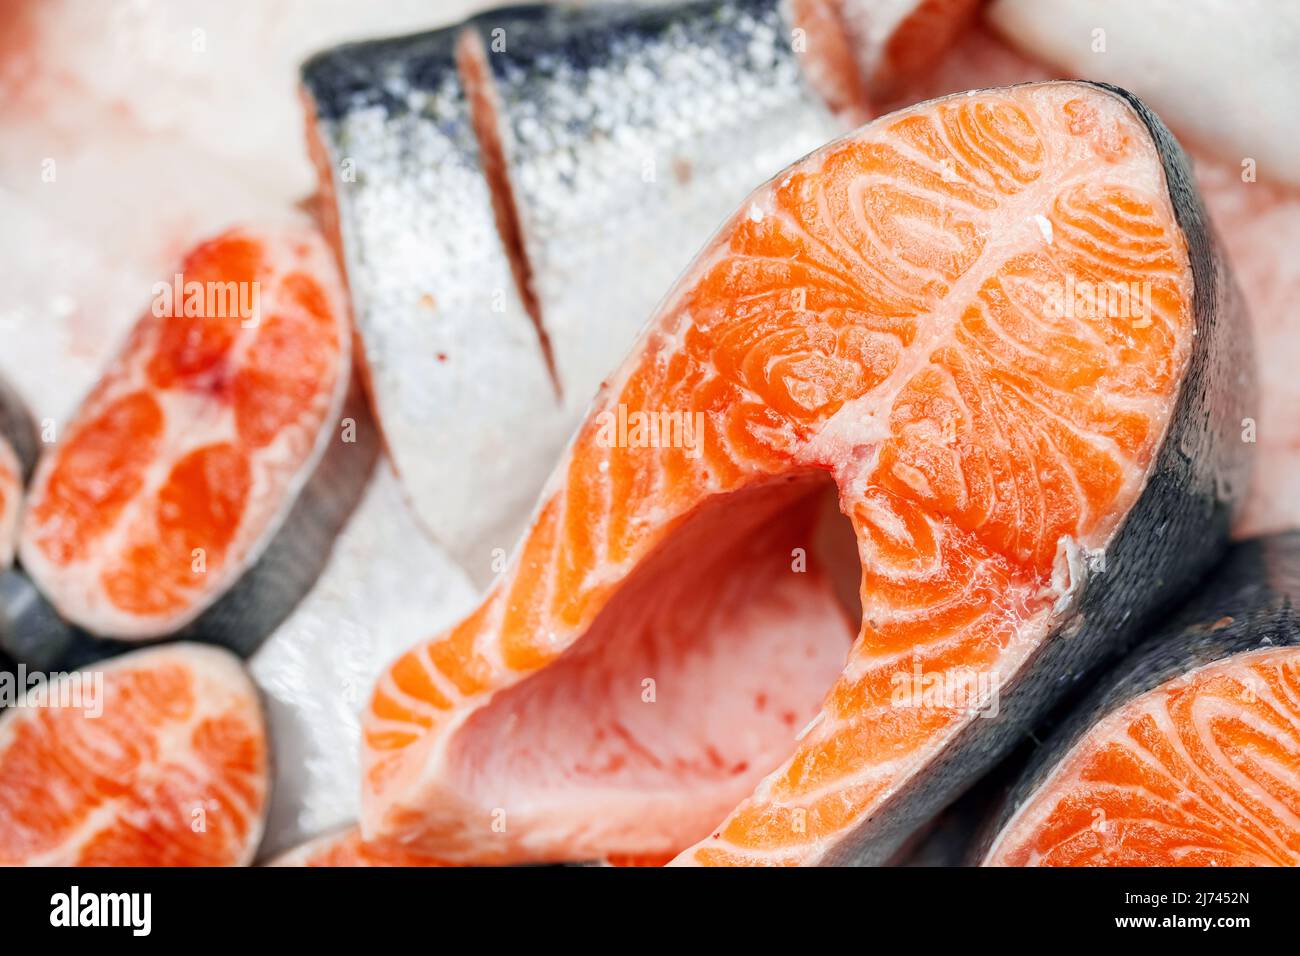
(168, 769)
(1202, 771)
(887, 313)
(182, 463)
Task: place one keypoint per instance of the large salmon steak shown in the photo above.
(996, 326)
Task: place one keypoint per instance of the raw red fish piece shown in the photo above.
(163, 764)
(182, 463)
(346, 848)
(1189, 753)
(1027, 472)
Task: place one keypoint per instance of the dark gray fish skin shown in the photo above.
(1171, 537)
(19, 428)
(32, 632)
(1247, 604)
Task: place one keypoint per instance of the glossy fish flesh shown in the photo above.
(217, 442)
(895, 42)
(1029, 472)
(626, 137)
(157, 758)
(1188, 753)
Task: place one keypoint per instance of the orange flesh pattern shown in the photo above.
(173, 772)
(177, 460)
(11, 496)
(880, 313)
(348, 849)
(1204, 770)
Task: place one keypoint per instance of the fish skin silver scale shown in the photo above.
(453, 357)
(630, 135)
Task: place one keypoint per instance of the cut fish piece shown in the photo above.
(1028, 472)
(1222, 74)
(156, 759)
(626, 136)
(1189, 752)
(453, 360)
(345, 848)
(116, 103)
(897, 41)
(184, 462)
(385, 585)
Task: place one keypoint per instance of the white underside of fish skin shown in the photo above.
(386, 586)
(1222, 72)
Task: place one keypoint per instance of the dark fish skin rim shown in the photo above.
(1248, 604)
(259, 600)
(1172, 535)
(19, 428)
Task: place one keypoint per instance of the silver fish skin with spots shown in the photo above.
(514, 195)
(456, 374)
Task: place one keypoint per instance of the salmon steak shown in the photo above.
(1189, 753)
(996, 328)
(183, 462)
(158, 758)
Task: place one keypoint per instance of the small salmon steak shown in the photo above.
(157, 758)
(181, 464)
(1188, 753)
(997, 324)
